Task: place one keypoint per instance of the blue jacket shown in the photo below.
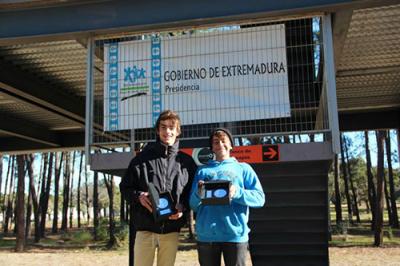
(227, 223)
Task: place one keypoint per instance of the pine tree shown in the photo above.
(20, 217)
(380, 137)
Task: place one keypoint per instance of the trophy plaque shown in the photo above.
(162, 203)
(216, 192)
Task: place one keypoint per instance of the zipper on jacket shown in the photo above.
(166, 168)
(162, 227)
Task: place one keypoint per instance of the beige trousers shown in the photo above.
(146, 244)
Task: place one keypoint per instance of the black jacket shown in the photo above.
(169, 170)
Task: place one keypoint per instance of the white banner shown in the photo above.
(212, 77)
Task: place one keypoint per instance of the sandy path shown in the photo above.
(338, 256)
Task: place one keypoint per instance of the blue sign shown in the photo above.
(113, 94)
(156, 78)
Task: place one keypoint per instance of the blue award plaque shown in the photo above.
(162, 203)
(220, 193)
(216, 192)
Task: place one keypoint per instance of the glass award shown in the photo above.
(162, 203)
(216, 192)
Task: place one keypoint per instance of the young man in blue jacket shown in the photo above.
(223, 229)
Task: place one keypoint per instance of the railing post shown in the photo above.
(89, 99)
(330, 82)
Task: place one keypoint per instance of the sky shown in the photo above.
(358, 146)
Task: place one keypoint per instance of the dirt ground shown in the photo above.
(364, 256)
(338, 256)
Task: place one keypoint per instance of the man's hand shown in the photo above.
(145, 201)
(232, 191)
(200, 189)
(178, 214)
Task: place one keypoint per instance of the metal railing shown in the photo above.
(263, 79)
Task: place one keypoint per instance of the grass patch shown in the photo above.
(7, 242)
(361, 235)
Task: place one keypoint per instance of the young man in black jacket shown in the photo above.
(169, 170)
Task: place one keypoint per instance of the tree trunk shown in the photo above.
(286, 139)
(8, 177)
(353, 190)
(8, 216)
(32, 190)
(371, 185)
(122, 201)
(398, 144)
(14, 203)
(395, 216)
(78, 200)
(380, 137)
(20, 242)
(1, 174)
(338, 201)
(67, 171)
(71, 208)
(44, 205)
(42, 170)
(28, 215)
(255, 140)
(42, 191)
(368, 208)
(57, 174)
(110, 191)
(346, 183)
(95, 205)
(29, 202)
(386, 190)
(387, 200)
(9, 207)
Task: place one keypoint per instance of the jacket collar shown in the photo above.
(165, 150)
(215, 162)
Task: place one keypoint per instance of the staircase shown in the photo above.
(292, 227)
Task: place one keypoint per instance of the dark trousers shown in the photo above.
(210, 253)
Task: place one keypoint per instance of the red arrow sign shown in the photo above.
(271, 153)
(249, 154)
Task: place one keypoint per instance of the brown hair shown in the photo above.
(169, 115)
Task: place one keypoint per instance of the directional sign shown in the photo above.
(270, 152)
(248, 154)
